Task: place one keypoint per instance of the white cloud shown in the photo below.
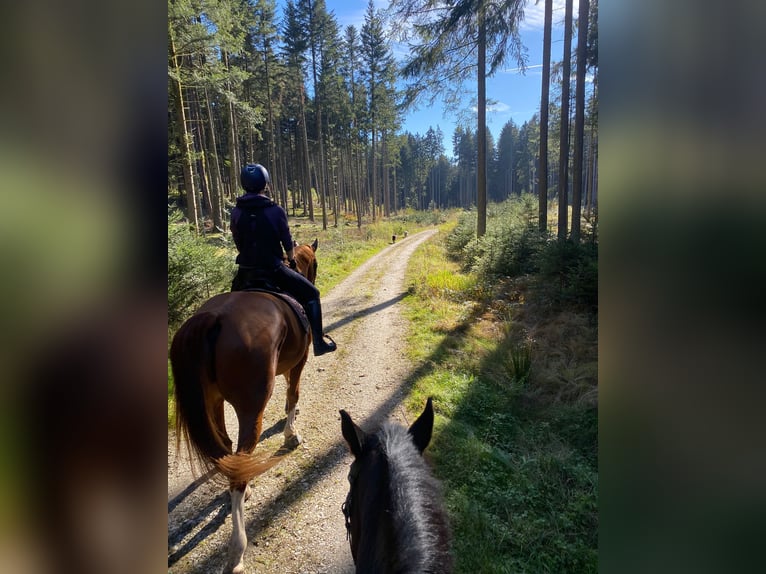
(534, 15)
(495, 108)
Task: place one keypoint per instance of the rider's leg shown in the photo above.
(308, 296)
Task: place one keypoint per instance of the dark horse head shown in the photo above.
(394, 512)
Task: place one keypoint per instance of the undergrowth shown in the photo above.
(565, 272)
(512, 367)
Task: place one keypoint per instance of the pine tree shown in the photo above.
(577, 169)
(378, 75)
(544, 103)
(563, 185)
(450, 34)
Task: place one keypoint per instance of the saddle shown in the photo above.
(287, 298)
(256, 280)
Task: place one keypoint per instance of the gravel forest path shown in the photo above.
(293, 519)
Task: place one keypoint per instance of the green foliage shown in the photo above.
(463, 237)
(515, 441)
(566, 273)
(197, 269)
(511, 243)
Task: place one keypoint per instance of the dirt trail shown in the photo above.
(293, 520)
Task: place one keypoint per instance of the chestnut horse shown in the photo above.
(395, 517)
(232, 349)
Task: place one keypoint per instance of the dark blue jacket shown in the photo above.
(260, 231)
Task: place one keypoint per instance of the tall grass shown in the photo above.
(513, 377)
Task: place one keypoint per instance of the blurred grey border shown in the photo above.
(683, 274)
(83, 142)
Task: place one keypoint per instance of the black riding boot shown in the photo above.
(314, 314)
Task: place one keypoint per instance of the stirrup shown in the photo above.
(327, 347)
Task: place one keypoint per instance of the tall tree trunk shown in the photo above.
(215, 175)
(185, 136)
(294, 172)
(273, 166)
(358, 186)
(564, 144)
(374, 173)
(320, 163)
(335, 181)
(234, 166)
(306, 162)
(544, 103)
(386, 190)
(195, 115)
(481, 168)
(588, 165)
(396, 197)
(282, 164)
(593, 203)
(577, 179)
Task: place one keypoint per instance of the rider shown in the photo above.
(260, 231)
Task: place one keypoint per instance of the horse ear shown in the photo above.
(315, 244)
(421, 428)
(353, 434)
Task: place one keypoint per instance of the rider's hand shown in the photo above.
(293, 264)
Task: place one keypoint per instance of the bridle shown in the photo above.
(347, 507)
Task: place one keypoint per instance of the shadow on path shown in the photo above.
(364, 312)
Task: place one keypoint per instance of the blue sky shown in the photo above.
(516, 95)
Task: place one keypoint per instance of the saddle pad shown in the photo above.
(296, 307)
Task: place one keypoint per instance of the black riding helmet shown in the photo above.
(254, 177)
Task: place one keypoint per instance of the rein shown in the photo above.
(347, 506)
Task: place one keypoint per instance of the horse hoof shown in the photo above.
(238, 569)
(293, 441)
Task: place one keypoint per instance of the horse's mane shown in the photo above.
(419, 521)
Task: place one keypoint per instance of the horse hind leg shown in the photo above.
(249, 430)
(220, 421)
(292, 438)
(238, 542)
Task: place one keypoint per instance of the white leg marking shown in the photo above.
(291, 437)
(238, 541)
(290, 424)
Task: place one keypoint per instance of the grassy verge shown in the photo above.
(515, 441)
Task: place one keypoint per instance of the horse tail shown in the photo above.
(192, 355)
(242, 467)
